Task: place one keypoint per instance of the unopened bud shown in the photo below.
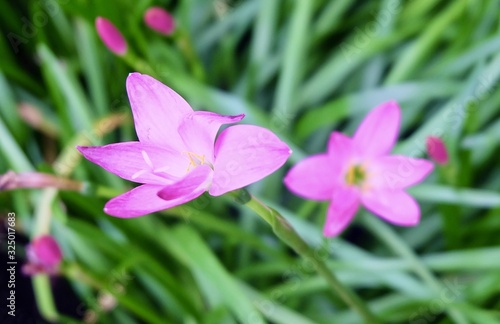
(111, 36)
(159, 20)
(436, 149)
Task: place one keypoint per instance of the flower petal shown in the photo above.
(342, 209)
(398, 172)
(157, 109)
(245, 154)
(143, 200)
(340, 146)
(313, 178)
(195, 181)
(378, 132)
(199, 129)
(138, 162)
(396, 207)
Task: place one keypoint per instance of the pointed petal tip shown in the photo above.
(111, 209)
(134, 75)
(378, 132)
(329, 233)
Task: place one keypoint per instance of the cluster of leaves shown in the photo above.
(301, 68)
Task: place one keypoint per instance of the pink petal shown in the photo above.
(195, 181)
(340, 146)
(342, 209)
(313, 178)
(199, 129)
(396, 207)
(111, 36)
(436, 149)
(245, 154)
(143, 200)
(135, 161)
(160, 20)
(397, 172)
(157, 109)
(378, 132)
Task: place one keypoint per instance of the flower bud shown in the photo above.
(111, 36)
(159, 20)
(436, 149)
(44, 256)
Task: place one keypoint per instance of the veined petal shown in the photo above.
(197, 181)
(342, 209)
(245, 154)
(143, 200)
(396, 207)
(313, 178)
(199, 129)
(378, 132)
(395, 172)
(138, 162)
(157, 109)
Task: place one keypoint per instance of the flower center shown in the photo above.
(356, 175)
(196, 160)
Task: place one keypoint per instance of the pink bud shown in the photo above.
(437, 150)
(160, 20)
(111, 36)
(44, 256)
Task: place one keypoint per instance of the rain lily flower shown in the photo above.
(159, 20)
(359, 170)
(436, 149)
(44, 256)
(111, 36)
(179, 155)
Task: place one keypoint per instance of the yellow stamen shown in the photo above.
(194, 160)
(356, 176)
(350, 175)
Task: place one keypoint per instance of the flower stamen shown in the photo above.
(195, 160)
(146, 158)
(356, 176)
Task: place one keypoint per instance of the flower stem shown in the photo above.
(285, 232)
(386, 234)
(44, 298)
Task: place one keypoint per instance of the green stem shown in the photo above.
(44, 298)
(386, 234)
(185, 44)
(284, 231)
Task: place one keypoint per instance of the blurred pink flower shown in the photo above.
(159, 20)
(359, 170)
(178, 156)
(436, 149)
(44, 256)
(111, 36)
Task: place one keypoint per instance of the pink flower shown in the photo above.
(44, 256)
(159, 20)
(359, 170)
(178, 157)
(436, 149)
(111, 36)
